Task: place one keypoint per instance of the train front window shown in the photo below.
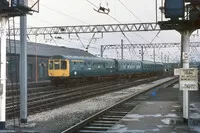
(51, 65)
(56, 65)
(63, 65)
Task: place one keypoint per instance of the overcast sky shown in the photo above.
(81, 12)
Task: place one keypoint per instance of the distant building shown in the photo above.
(47, 50)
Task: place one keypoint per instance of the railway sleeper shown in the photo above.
(95, 128)
(91, 131)
(101, 124)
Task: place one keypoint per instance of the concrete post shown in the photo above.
(185, 36)
(23, 69)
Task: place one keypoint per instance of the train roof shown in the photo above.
(48, 50)
(80, 58)
(159, 63)
(129, 61)
(151, 62)
(101, 59)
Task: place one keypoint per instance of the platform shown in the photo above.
(161, 112)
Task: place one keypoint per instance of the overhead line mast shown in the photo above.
(9, 9)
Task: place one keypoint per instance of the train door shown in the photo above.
(65, 67)
(116, 65)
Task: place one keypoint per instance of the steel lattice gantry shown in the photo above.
(131, 27)
(152, 45)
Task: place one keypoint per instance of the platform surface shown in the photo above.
(161, 112)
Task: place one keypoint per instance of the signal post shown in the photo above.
(176, 11)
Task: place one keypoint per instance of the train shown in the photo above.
(62, 68)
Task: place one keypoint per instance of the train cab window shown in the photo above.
(56, 65)
(63, 65)
(51, 65)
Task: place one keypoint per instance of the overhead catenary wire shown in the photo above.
(135, 17)
(130, 11)
(74, 42)
(65, 14)
(87, 47)
(139, 20)
(44, 21)
(91, 3)
(122, 31)
(80, 41)
(120, 23)
(54, 40)
(115, 20)
(153, 40)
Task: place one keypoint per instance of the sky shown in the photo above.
(81, 12)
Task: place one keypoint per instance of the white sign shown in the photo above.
(188, 79)
(176, 72)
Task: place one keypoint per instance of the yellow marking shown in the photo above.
(59, 72)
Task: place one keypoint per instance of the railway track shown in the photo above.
(38, 96)
(104, 120)
(15, 86)
(46, 98)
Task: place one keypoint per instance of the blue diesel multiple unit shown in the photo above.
(70, 67)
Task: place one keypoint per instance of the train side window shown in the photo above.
(63, 65)
(51, 65)
(103, 65)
